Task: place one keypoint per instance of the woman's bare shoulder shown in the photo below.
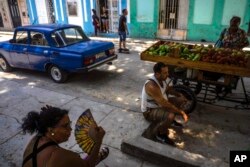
(62, 158)
(61, 152)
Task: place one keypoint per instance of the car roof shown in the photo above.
(45, 27)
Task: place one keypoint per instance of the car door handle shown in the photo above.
(23, 51)
(55, 53)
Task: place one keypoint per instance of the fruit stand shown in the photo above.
(198, 59)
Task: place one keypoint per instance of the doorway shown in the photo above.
(14, 12)
(1, 20)
(173, 19)
(24, 12)
(109, 16)
(50, 11)
(169, 14)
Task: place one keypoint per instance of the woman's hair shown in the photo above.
(235, 20)
(40, 122)
(94, 11)
(158, 66)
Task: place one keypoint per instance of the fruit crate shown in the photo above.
(173, 59)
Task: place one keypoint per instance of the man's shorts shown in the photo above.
(160, 114)
(155, 114)
(122, 35)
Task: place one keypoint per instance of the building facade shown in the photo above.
(193, 20)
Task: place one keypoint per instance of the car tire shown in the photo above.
(4, 65)
(189, 94)
(57, 74)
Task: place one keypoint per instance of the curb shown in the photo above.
(165, 155)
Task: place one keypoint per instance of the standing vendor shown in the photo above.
(234, 37)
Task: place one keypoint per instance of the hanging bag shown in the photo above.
(219, 42)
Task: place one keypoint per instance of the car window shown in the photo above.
(22, 37)
(38, 38)
(68, 36)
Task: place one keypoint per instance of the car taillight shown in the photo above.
(89, 60)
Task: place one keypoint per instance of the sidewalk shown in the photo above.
(17, 99)
(205, 141)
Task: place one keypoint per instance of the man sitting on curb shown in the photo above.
(157, 107)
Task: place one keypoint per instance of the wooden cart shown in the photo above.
(197, 68)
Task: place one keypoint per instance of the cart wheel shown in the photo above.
(197, 88)
(174, 81)
(189, 94)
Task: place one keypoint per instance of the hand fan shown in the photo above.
(83, 123)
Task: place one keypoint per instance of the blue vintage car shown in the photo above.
(58, 49)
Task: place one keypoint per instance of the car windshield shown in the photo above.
(68, 36)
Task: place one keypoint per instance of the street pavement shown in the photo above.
(113, 95)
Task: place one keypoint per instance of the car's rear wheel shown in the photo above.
(57, 74)
(4, 65)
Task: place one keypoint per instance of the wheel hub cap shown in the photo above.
(55, 72)
(2, 63)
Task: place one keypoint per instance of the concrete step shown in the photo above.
(165, 155)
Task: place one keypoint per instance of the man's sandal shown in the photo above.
(103, 154)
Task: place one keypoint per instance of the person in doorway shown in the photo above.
(123, 30)
(105, 20)
(95, 21)
(157, 107)
(53, 127)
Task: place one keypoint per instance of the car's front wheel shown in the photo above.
(57, 74)
(4, 65)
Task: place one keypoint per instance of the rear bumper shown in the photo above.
(93, 66)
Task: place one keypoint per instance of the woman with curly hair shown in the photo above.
(234, 37)
(52, 127)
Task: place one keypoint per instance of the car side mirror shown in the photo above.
(12, 41)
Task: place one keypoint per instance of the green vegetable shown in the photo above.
(162, 53)
(184, 56)
(191, 56)
(196, 57)
(185, 50)
(151, 49)
(150, 53)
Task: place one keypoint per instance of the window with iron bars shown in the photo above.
(169, 13)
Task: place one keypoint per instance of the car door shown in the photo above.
(18, 53)
(38, 52)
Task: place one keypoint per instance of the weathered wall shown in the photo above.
(4, 9)
(144, 19)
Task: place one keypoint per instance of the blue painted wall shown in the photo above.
(87, 24)
(32, 11)
(62, 16)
